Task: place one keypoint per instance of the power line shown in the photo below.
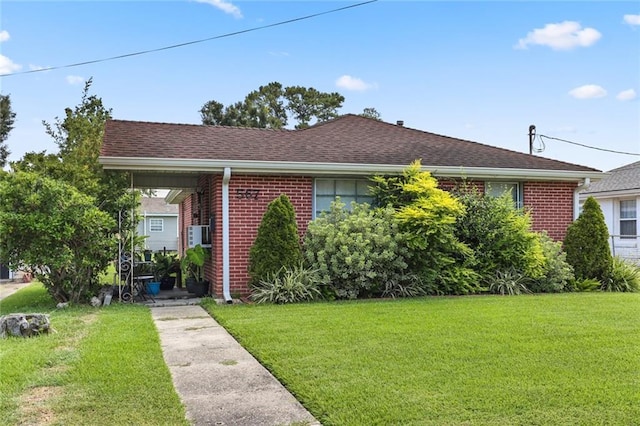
(174, 46)
(587, 146)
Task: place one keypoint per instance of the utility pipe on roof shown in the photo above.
(226, 177)
(576, 196)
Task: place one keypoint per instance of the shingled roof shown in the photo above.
(349, 139)
(625, 178)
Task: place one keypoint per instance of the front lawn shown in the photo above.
(101, 366)
(480, 360)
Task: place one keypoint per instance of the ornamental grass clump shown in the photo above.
(624, 276)
(289, 285)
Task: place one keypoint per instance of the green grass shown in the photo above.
(569, 359)
(101, 367)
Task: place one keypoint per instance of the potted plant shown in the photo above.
(193, 265)
(164, 266)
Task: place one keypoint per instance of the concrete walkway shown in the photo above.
(7, 288)
(218, 381)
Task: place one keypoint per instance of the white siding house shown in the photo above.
(619, 197)
(159, 222)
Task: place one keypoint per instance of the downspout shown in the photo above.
(576, 197)
(226, 177)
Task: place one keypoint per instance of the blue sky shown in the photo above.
(480, 70)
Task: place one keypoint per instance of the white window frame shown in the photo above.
(517, 196)
(633, 219)
(154, 222)
(358, 196)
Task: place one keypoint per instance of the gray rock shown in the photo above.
(24, 325)
(62, 305)
(95, 302)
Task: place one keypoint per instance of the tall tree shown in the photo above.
(7, 117)
(79, 139)
(269, 107)
(371, 113)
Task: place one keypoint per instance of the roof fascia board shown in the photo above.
(633, 192)
(284, 167)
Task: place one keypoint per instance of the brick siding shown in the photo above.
(551, 206)
(550, 203)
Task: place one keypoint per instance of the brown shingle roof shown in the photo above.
(347, 139)
(157, 205)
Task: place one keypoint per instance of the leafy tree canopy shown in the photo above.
(7, 117)
(371, 113)
(51, 229)
(270, 106)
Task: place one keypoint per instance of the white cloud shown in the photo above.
(33, 67)
(588, 91)
(352, 83)
(4, 36)
(224, 6)
(632, 19)
(562, 36)
(75, 79)
(7, 66)
(627, 95)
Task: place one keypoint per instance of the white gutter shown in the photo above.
(334, 169)
(226, 177)
(576, 197)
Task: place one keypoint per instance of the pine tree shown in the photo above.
(587, 244)
(277, 244)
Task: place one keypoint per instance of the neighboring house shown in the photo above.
(226, 176)
(5, 273)
(159, 222)
(619, 197)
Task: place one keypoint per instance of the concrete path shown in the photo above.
(218, 381)
(7, 288)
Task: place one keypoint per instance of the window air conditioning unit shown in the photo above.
(199, 234)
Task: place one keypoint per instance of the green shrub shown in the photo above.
(357, 252)
(508, 282)
(587, 244)
(499, 234)
(587, 284)
(289, 285)
(557, 274)
(277, 244)
(624, 276)
(427, 216)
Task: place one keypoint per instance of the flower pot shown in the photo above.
(190, 284)
(153, 287)
(167, 283)
(201, 288)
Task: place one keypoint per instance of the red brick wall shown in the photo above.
(551, 206)
(245, 214)
(550, 203)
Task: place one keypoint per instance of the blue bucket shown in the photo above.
(153, 288)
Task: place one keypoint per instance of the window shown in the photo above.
(497, 189)
(347, 189)
(156, 225)
(628, 218)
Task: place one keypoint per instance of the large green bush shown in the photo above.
(500, 236)
(427, 215)
(359, 253)
(587, 244)
(49, 228)
(277, 244)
